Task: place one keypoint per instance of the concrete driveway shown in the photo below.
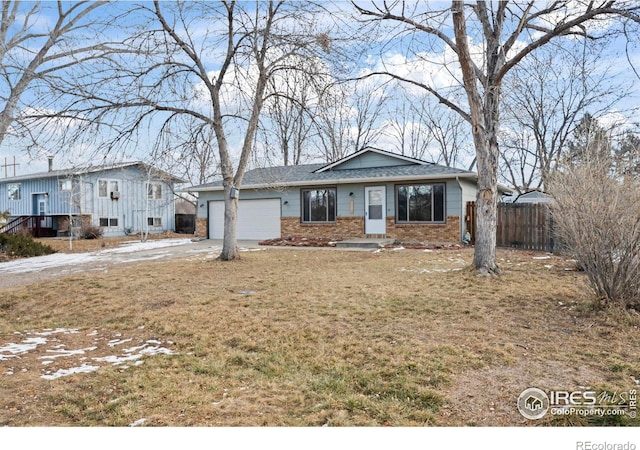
(32, 270)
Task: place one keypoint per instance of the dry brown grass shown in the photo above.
(313, 337)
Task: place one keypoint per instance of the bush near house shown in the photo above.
(91, 232)
(597, 222)
(15, 245)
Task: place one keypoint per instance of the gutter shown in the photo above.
(336, 181)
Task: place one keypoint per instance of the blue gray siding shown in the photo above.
(370, 160)
(131, 209)
(348, 206)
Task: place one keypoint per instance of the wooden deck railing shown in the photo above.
(38, 226)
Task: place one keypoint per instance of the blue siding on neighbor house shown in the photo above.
(130, 209)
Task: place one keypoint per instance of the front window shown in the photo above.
(319, 205)
(106, 187)
(67, 185)
(154, 191)
(420, 203)
(108, 221)
(14, 191)
(154, 221)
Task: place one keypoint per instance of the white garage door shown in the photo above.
(257, 219)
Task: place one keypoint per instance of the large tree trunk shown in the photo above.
(230, 249)
(483, 111)
(484, 256)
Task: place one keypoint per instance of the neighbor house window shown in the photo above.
(319, 205)
(14, 191)
(106, 187)
(420, 203)
(67, 185)
(108, 221)
(154, 221)
(154, 191)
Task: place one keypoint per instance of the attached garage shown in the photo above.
(257, 219)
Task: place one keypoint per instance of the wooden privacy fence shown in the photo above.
(519, 225)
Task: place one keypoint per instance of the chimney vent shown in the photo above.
(50, 163)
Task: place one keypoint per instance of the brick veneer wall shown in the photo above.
(343, 228)
(436, 232)
(353, 227)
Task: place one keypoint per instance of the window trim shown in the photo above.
(153, 222)
(73, 182)
(150, 190)
(109, 219)
(109, 182)
(318, 222)
(423, 222)
(19, 190)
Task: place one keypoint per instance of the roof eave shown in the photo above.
(338, 181)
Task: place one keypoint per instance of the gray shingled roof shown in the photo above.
(90, 169)
(304, 174)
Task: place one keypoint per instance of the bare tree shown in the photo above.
(347, 118)
(544, 98)
(40, 43)
(211, 62)
(489, 40)
(407, 129)
(596, 218)
(288, 128)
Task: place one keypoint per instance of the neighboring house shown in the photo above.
(119, 198)
(533, 197)
(371, 193)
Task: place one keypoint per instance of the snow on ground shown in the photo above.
(136, 246)
(81, 260)
(49, 348)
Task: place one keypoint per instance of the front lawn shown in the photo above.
(299, 337)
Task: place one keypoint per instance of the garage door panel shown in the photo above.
(257, 219)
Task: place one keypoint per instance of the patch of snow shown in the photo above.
(242, 249)
(398, 249)
(130, 247)
(156, 351)
(115, 342)
(67, 353)
(541, 257)
(548, 266)
(137, 422)
(79, 261)
(27, 345)
(84, 368)
(424, 270)
(49, 332)
(39, 263)
(117, 360)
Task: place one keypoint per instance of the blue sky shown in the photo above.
(424, 65)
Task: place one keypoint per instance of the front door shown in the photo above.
(375, 207)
